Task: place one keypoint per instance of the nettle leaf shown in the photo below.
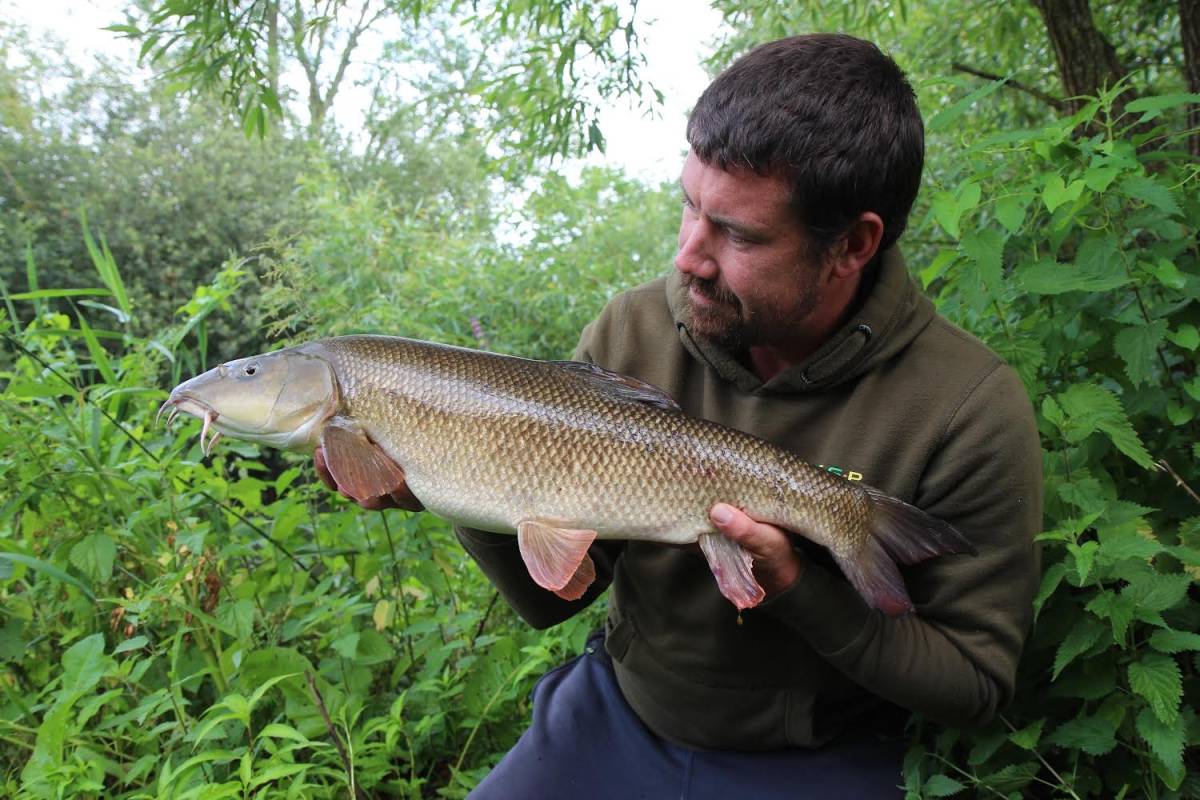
(94, 556)
(1010, 211)
(1012, 778)
(1124, 541)
(940, 264)
(1098, 177)
(1084, 492)
(1024, 353)
(1166, 739)
(1156, 678)
(946, 212)
(1091, 679)
(1068, 530)
(1158, 591)
(986, 249)
(1027, 738)
(986, 745)
(1166, 273)
(1150, 191)
(948, 208)
(1051, 578)
(1173, 641)
(1179, 415)
(1093, 735)
(1085, 558)
(1186, 336)
(1097, 268)
(1085, 633)
(1089, 409)
(942, 786)
(1116, 608)
(1119, 512)
(1138, 348)
(1056, 192)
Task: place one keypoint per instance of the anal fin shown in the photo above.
(557, 558)
(358, 465)
(732, 566)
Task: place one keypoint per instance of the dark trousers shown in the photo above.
(585, 743)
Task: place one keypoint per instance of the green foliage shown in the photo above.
(1071, 251)
(362, 265)
(548, 63)
(174, 190)
(171, 627)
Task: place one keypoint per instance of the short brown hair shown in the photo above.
(832, 115)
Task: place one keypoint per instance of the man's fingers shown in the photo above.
(756, 537)
(776, 564)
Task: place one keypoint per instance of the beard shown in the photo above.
(726, 322)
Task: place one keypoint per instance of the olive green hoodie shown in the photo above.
(898, 398)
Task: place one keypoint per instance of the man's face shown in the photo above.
(743, 258)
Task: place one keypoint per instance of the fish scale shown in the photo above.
(475, 429)
(552, 449)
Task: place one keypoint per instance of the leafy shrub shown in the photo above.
(1073, 253)
(175, 628)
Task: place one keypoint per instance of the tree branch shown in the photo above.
(1055, 102)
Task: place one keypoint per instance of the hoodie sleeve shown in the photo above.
(500, 558)
(955, 659)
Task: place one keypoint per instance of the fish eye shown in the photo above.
(250, 369)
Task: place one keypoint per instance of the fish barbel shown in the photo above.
(559, 452)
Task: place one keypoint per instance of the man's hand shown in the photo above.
(401, 498)
(777, 565)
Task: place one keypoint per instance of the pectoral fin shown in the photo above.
(358, 465)
(731, 566)
(557, 558)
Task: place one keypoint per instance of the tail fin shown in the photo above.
(899, 533)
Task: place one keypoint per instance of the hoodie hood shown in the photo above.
(890, 315)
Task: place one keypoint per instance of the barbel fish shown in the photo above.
(560, 453)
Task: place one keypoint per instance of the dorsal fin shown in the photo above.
(619, 385)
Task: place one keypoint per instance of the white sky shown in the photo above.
(676, 37)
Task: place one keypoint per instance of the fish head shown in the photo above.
(279, 399)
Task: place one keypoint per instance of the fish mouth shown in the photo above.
(197, 408)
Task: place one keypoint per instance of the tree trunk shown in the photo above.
(1087, 61)
(1189, 29)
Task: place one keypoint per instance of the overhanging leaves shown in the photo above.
(1096, 268)
(1138, 348)
(1166, 739)
(1089, 409)
(1094, 735)
(1156, 678)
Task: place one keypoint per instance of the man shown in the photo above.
(791, 315)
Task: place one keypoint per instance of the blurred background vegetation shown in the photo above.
(180, 626)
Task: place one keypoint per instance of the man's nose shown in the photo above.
(694, 256)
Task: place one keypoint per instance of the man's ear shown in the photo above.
(858, 246)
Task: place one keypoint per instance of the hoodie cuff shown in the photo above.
(822, 608)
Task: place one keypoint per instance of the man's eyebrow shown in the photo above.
(741, 229)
